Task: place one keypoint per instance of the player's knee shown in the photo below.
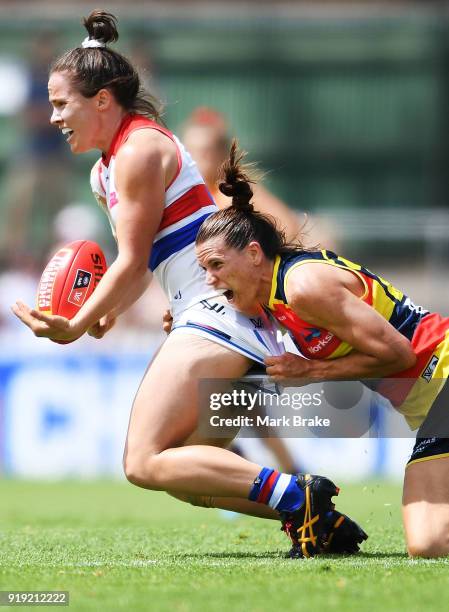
(425, 550)
(138, 472)
(134, 473)
(426, 531)
(428, 545)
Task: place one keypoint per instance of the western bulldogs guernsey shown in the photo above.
(427, 332)
(196, 308)
(187, 203)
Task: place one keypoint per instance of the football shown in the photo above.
(70, 277)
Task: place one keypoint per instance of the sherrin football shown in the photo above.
(70, 277)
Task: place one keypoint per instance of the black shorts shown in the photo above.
(432, 439)
(429, 448)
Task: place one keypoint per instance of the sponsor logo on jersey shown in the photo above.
(414, 307)
(321, 344)
(430, 368)
(80, 287)
(312, 335)
(113, 199)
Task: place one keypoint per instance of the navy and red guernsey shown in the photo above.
(428, 332)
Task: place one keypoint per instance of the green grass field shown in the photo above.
(116, 547)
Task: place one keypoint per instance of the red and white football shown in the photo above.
(70, 277)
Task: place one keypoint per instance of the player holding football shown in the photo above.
(366, 329)
(156, 200)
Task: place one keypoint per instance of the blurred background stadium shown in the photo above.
(344, 105)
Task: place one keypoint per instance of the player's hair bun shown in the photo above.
(101, 26)
(241, 194)
(236, 183)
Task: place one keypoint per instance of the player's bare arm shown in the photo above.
(330, 299)
(101, 327)
(145, 154)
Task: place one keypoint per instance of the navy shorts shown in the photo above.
(432, 439)
(429, 448)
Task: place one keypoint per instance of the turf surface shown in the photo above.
(116, 547)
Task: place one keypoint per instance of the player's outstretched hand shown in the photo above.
(341, 534)
(44, 325)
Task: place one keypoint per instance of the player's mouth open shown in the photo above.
(229, 294)
(67, 132)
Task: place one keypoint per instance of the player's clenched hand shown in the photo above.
(167, 322)
(287, 366)
(44, 325)
(102, 326)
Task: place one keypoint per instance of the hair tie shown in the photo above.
(89, 43)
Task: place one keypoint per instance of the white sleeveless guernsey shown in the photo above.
(196, 308)
(187, 203)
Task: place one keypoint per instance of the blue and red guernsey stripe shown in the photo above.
(174, 242)
(190, 202)
(193, 201)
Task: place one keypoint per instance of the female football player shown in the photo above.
(364, 329)
(156, 200)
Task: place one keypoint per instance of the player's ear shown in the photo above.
(104, 98)
(255, 252)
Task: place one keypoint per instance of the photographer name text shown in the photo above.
(267, 421)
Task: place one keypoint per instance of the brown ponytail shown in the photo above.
(236, 182)
(240, 223)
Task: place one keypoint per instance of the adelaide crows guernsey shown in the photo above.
(187, 203)
(428, 332)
